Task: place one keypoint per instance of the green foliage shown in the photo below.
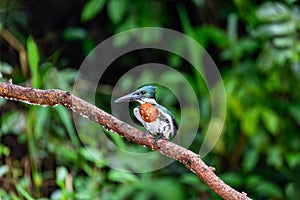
(91, 9)
(261, 96)
(74, 33)
(33, 61)
(116, 10)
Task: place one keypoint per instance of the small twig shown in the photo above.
(17, 45)
(58, 97)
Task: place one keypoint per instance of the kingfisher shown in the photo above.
(156, 119)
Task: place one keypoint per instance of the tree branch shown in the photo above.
(58, 97)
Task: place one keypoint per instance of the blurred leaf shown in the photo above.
(166, 188)
(295, 67)
(273, 12)
(148, 37)
(37, 179)
(278, 29)
(295, 113)
(91, 9)
(88, 45)
(261, 141)
(23, 192)
(273, 82)
(33, 60)
(56, 195)
(293, 159)
(292, 192)
(246, 10)
(94, 155)
(250, 159)
(283, 42)
(266, 189)
(269, 190)
(265, 60)
(4, 150)
(123, 39)
(65, 117)
(250, 121)
(122, 177)
(42, 117)
(116, 10)
(174, 60)
(5, 68)
(192, 51)
(3, 170)
(274, 157)
(271, 121)
(13, 122)
(61, 175)
(190, 179)
(74, 33)
(208, 33)
(233, 179)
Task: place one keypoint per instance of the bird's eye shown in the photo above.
(143, 92)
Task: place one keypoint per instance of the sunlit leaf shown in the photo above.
(61, 174)
(91, 9)
(23, 192)
(33, 60)
(271, 120)
(273, 11)
(283, 42)
(56, 195)
(3, 170)
(5, 68)
(250, 121)
(4, 150)
(116, 10)
(293, 159)
(277, 29)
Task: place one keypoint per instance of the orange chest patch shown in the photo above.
(148, 112)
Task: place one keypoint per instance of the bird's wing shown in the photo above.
(168, 116)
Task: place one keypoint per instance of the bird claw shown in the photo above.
(146, 133)
(160, 136)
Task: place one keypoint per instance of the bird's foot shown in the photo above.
(146, 133)
(160, 136)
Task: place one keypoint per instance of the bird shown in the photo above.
(156, 119)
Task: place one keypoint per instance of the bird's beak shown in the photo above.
(128, 97)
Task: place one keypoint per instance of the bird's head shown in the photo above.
(141, 95)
